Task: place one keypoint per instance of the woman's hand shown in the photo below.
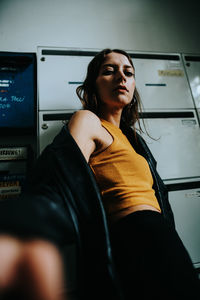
(33, 267)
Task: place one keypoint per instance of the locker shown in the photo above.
(192, 67)
(175, 144)
(50, 123)
(60, 72)
(161, 81)
(184, 198)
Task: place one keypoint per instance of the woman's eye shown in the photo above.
(129, 74)
(108, 72)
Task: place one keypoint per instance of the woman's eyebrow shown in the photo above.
(108, 65)
(115, 65)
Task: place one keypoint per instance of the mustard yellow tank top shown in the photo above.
(123, 176)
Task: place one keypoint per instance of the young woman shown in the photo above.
(150, 257)
(148, 252)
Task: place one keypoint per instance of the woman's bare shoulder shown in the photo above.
(85, 114)
(84, 118)
(85, 128)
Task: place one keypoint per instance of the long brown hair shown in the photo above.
(88, 95)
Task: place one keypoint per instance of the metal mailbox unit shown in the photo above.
(171, 118)
(169, 114)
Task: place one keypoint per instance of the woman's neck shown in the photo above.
(113, 118)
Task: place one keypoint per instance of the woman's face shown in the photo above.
(116, 81)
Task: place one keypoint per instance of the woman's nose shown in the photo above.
(121, 76)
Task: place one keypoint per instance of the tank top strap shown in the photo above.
(111, 128)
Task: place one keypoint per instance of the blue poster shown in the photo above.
(17, 90)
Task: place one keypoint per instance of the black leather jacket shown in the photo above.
(62, 203)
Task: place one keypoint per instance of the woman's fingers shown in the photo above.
(42, 267)
(10, 256)
(32, 267)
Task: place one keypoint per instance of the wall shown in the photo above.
(144, 25)
(138, 25)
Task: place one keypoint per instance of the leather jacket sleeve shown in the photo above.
(40, 211)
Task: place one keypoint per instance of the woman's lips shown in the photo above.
(121, 88)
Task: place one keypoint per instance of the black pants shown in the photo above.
(151, 259)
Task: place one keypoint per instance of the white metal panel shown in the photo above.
(50, 123)
(186, 207)
(177, 144)
(162, 82)
(160, 79)
(59, 74)
(198, 113)
(192, 66)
